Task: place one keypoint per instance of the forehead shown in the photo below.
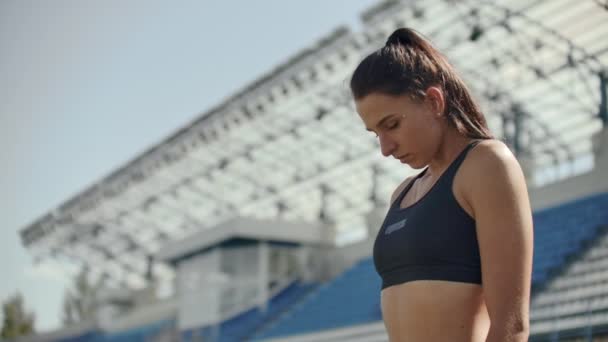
(375, 106)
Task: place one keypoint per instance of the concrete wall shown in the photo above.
(246, 271)
(199, 288)
(75, 330)
(340, 259)
(586, 184)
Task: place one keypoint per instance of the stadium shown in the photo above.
(255, 222)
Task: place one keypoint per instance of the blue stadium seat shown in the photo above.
(560, 232)
(247, 324)
(332, 306)
(354, 297)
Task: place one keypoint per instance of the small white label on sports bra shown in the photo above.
(395, 226)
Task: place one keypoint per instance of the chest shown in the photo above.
(431, 230)
(420, 188)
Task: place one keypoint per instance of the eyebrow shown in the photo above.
(381, 121)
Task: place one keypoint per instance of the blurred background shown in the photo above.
(196, 171)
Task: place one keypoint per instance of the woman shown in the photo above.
(455, 249)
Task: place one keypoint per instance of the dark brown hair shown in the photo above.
(409, 64)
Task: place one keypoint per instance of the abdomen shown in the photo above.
(429, 310)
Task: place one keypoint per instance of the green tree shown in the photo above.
(16, 321)
(79, 303)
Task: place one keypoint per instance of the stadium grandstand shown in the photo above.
(255, 222)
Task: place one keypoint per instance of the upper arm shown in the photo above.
(501, 208)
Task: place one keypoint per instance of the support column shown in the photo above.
(263, 267)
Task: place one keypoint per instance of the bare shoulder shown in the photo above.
(491, 169)
(504, 226)
(489, 156)
(491, 150)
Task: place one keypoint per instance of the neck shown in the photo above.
(450, 146)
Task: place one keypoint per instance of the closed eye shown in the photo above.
(392, 125)
(387, 124)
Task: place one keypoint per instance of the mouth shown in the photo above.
(403, 158)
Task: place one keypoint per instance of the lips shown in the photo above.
(403, 158)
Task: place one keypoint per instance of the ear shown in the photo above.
(436, 100)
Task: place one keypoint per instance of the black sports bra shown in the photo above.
(433, 239)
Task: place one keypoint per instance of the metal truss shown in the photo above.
(291, 145)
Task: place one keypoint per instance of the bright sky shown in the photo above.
(87, 85)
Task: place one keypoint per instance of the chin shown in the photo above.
(416, 166)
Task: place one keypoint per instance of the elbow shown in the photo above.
(496, 335)
(519, 332)
(521, 327)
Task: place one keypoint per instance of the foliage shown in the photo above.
(16, 321)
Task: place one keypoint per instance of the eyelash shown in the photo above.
(392, 126)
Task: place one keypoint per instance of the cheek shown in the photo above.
(413, 133)
(418, 137)
(430, 128)
(431, 136)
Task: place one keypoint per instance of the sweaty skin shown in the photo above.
(433, 310)
(490, 187)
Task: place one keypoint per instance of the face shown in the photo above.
(409, 130)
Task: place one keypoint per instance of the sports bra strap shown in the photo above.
(450, 171)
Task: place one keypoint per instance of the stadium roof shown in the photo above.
(290, 146)
(242, 229)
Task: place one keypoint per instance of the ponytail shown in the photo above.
(408, 65)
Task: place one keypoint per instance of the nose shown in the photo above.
(387, 146)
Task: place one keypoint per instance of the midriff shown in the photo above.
(434, 310)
